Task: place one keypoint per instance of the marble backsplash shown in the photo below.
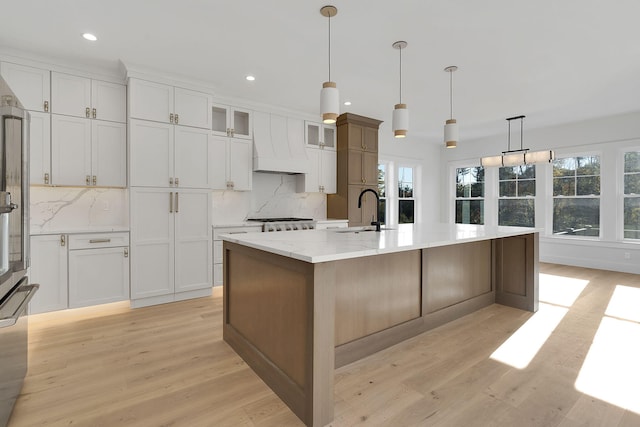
(67, 209)
(273, 195)
(55, 209)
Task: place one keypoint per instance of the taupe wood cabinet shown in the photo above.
(357, 170)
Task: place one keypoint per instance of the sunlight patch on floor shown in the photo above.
(560, 290)
(557, 295)
(610, 371)
(625, 303)
(521, 347)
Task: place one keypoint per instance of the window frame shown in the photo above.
(484, 198)
(623, 196)
(533, 197)
(414, 175)
(553, 198)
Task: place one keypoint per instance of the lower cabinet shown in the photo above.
(79, 270)
(49, 269)
(170, 245)
(98, 269)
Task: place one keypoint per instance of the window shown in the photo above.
(382, 182)
(632, 195)
(516, 205)
(576, 196)
(406, 201)
(470, 195)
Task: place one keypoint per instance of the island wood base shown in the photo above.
(293, 322)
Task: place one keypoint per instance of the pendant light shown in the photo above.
(400, 118)
(329, 96)
(521, 156)
(451, 125)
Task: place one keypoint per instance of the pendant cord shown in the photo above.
(400, 75)
(451, 94)
(329, 47)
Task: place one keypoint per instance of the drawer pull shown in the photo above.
(238, 232)
(99, 240)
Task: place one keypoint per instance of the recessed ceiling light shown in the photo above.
(250, 78)
(347, 102)
(90, 37)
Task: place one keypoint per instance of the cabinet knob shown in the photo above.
(126, 252)
(46, 178)
(87, 112)
(87, 179)
(176, 181)
(63, 240)
(176, 118)
(233, 133)
(94, 180)
(46, 106)
(170, 117)
(171, 181)
(94, 113)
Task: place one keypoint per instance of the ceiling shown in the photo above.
(554, 61)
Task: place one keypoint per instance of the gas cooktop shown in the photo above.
(279, 219)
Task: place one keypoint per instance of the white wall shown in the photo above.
(425, 157)
(608, 137)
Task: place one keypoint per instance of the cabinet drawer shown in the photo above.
(235, 230)
(98, 240)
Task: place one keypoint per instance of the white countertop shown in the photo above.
(330, 245)
(37, 231)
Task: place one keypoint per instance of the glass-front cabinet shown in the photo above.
(231, 121)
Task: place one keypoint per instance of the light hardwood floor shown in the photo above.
(168, 366)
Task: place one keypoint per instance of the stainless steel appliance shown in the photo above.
(15, 292)
(285, 224)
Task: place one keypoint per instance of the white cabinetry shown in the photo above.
(49, 269)
(232, 164)
(167, 104)
(98, 269)
(217, 246)
(319, 135)
(232, 122)
(321, 177)
(170, 245)
(31, 85)
(88, 152)
(325, 224)
(83, 97)
(40, 148)
(163, 155)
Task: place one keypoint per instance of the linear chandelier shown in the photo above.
(520, 156)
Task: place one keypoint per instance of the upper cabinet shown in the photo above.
(40, 148)
(82, 97)
(167, 104)
(319, 135)
(31, 85)
(232, 122)
(162, 155)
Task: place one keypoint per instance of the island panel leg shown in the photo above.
(517, 270)
(279, 317)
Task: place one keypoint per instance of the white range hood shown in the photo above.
(278, 144)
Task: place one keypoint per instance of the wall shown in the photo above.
(609, 137)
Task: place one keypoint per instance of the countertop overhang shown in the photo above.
(315, 246)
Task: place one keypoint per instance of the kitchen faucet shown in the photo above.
(377, 222)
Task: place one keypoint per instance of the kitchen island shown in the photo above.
(299, 304)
